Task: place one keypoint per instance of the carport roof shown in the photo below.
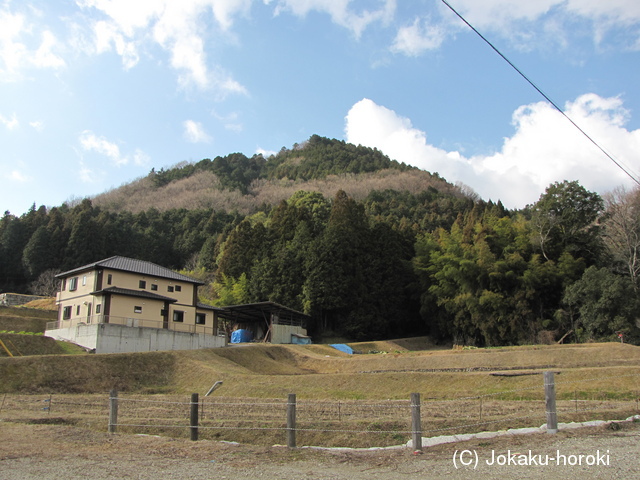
(254, 312)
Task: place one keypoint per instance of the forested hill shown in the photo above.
(314, 159)
(244, 184)
(368, 247)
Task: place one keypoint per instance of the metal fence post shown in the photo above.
(194, 416)
(291, 420)
(550, 402)
(416, 424)
(113, 410)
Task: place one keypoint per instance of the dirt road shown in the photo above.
(55, 452)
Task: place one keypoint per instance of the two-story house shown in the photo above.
(125, 291)
(126, 305)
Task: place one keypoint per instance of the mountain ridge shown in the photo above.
(245, 185)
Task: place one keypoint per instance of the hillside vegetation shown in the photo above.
(370, 248)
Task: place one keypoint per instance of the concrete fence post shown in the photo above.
(194, 416)
(550, 402)
(113, 410)
(416, 423)
(291, 420)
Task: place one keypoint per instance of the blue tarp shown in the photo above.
(343, 348)
(300, 339)
(241, 336)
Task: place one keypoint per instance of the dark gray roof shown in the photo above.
(133, 266)
(135, 293)
(204, 306)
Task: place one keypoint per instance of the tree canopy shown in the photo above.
(391, 264)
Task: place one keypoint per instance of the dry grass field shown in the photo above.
(343, 400)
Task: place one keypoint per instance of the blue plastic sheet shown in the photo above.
(241, 336)
(342, 347)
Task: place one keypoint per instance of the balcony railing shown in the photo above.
(135, 323)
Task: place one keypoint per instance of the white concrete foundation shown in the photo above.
(111, 338)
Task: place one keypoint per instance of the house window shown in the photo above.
(137, 309)
(142, 284)
(98, 307)
(84, 280)
(154, 287)
(109, 279)
(73, 284)
(78, 310)
(169, 288)
(178, 288)
(66, 313)
(63, 284)
(178, 316)
(201, 318)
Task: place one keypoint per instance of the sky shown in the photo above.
(96, 93)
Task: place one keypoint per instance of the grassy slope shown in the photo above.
(319, 372)
(20, 319)
(33, 319)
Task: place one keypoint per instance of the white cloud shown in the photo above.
(11, 51)
(265, 153)
(44, 56)
(10, 123)
(194, 132)
(231, 121)
(340, 12)
(503, 15)
(107, 34)
(19, 48)
(420, 36)
(180, 28)
(544, 148)
(37, 125)
(17, 177)
(86, 174)
(90, 142)
(140, 158)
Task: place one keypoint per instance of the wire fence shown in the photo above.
(337, 423)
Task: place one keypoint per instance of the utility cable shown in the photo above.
(610, 157)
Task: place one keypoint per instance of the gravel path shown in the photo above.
(52, 452)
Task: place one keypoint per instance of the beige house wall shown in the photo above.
(123, 307)
(132, 281)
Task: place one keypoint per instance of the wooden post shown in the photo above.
(550, 402)
(416, 427)
(291, 420)
(194, 417)
(113, 410)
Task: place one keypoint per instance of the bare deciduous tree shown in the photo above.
(46, 284)
(622, 229)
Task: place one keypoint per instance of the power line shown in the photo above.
(610, 157)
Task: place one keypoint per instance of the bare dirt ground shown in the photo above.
(56, 452)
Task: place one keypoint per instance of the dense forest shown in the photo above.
(392, 262)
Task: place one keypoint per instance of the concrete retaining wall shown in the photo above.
(14, 299)
(109, 338)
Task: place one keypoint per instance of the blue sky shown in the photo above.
(95, 93)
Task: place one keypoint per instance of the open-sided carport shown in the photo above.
(268, 321)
